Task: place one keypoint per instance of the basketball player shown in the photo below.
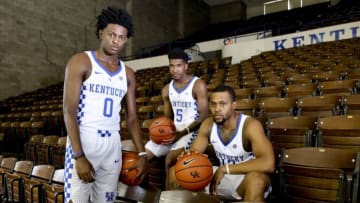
(95, 84)
(186, 103)
(245, 154)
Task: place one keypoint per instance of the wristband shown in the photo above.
(187, 130)
(227, 169)
(78, 155)
(142, 154)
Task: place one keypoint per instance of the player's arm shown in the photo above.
(131, 114)
(259, 144)
(201, 142)
(166, 101)
(132, 121)
(78, 69)
(201, 96)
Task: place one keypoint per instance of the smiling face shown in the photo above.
(221, 107)
(113, 38)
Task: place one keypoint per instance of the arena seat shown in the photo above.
(314, 174)
(54, 191)
(340, 132)
(14, 180)
(33, 184)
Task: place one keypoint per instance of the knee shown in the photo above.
(256, 181)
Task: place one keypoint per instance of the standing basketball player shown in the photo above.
(245, 154)
(186, 103)
(95, 84)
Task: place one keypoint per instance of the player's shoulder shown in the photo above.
(81, 56)
(199, 82)
(165, 89)
(130, 73)
(252, 124)
(80, 59)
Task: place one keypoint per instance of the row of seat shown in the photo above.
(49, 149)
(24, 181)
(303, 174)
(299, 131)
(326, 105)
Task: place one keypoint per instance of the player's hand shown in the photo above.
(218, 176)
(85, 170)
(188, 152)
(142, 166)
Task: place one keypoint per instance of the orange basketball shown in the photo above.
(129, 158)
(162, 130)
(193, 171)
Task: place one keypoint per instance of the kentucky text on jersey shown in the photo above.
(231, 159)
(103, 89)
(181, 104)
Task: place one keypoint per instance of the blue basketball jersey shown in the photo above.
(101, 95)
(232, 151)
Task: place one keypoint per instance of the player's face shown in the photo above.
(221, 106)
(178, 68)
(113, 38)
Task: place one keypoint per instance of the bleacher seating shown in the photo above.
(283, 89)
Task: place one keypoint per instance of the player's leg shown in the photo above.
(254, 187)
(75, 190)
(171, 158)
(107, 174)
(170, 161)
(105, 186)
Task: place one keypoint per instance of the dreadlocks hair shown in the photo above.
(113, 15)
(178, 54)
(225, 88)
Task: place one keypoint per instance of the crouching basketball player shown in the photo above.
(245, 154)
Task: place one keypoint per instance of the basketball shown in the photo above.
(129, 158)
(193, 171)
(162, 130)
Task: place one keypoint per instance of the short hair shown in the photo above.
(178, 54)
(225, 88)
(113, 15)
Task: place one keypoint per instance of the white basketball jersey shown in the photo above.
(231, 152)
(100, 97)
(184, 106)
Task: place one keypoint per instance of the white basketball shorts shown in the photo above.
(103, 149)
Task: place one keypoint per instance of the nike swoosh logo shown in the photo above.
(117, 161)
(186, 162)
(98, 72)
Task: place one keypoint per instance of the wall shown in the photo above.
(155, 23)
(38, 37)
(195, 15)
(247, 46)
(245, 49)
(228, 12)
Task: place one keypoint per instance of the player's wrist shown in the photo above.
(78, 155)
(142, 155)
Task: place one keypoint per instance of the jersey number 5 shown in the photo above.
(179, 115)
